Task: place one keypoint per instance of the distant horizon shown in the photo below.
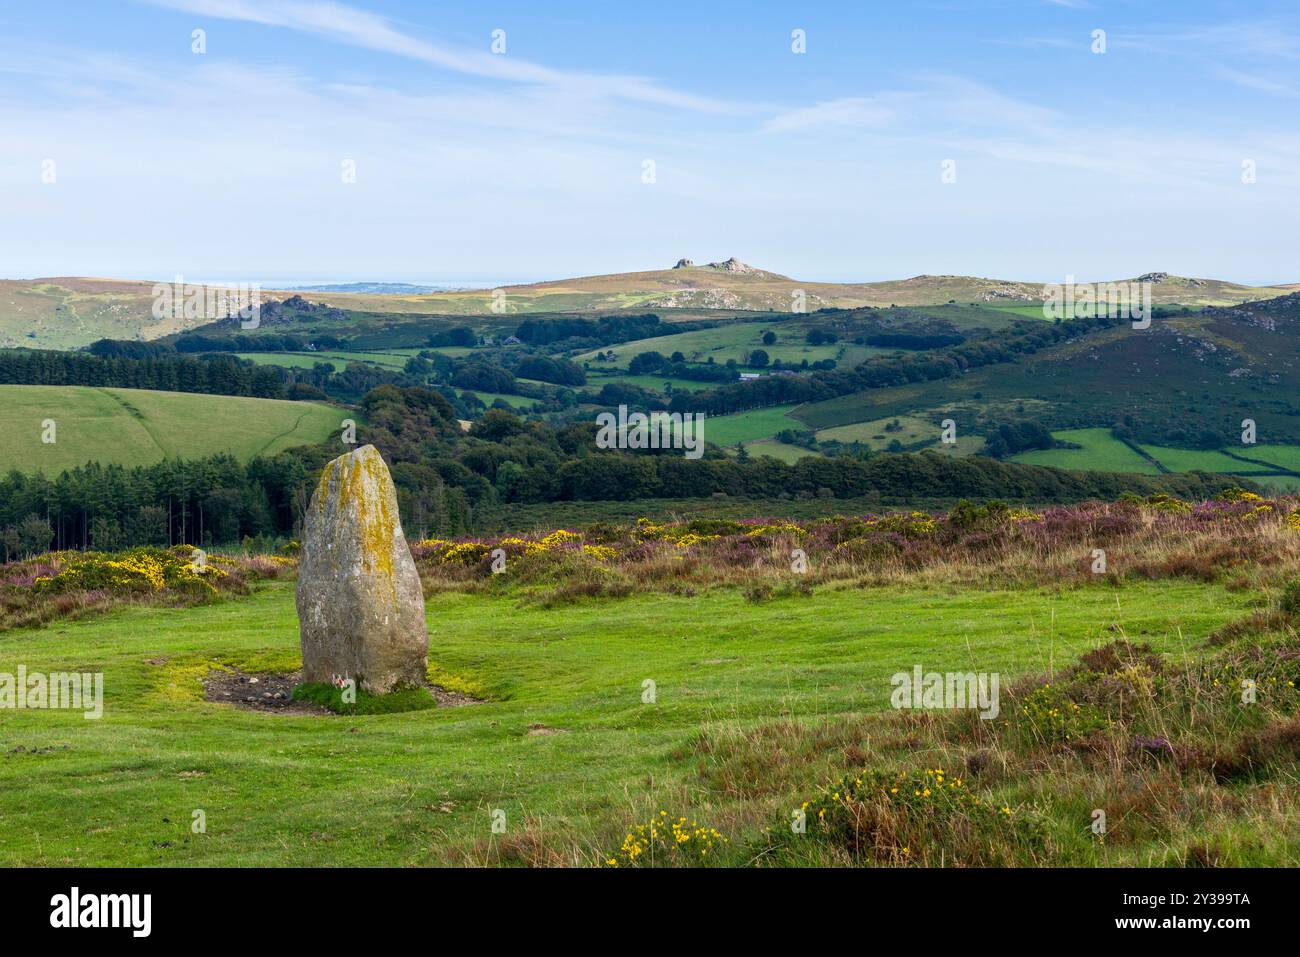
(290, 284)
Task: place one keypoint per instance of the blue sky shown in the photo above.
(475, 166)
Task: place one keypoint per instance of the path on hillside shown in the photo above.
(137, 416)
(292, 429)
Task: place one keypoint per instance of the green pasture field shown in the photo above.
(517, 401)
(340, 360)
(748, 426)
(1283, 456)
(596, 379)
(874, 435)
(732, 341)
(1187, 460)
(1100, 450)
(1277, 483)
(139, 427)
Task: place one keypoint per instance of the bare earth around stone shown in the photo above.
(270, 692)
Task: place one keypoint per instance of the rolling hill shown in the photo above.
(734, 285)
(65, 313)
(138, 427)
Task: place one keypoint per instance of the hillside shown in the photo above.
(138, 427)
(65, 313)
(1176, 393)
(737, 286)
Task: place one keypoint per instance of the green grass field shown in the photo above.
(876, 435)
(753, 426)
(516, 401)
(564, 744)
(138, 427)
(1186, 460)
(597, 378)
(340, 360)
(748, 426)
(1284, 456)
(1099, 450)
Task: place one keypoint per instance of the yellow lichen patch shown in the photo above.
(323, 486)
(379, 524)
(459, 683)
(180, 681)
(358, 474)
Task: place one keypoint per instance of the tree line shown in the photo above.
(450, 482)
(214, 374)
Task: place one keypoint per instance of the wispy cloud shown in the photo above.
(859, 111)
(952, 101)
(1253, 81)
(361, 28)
(1250, 39)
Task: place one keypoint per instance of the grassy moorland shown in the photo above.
(1121, 691)
(138, 427)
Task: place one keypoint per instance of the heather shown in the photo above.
(1238, 536)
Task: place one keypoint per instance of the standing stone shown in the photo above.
(360, 606)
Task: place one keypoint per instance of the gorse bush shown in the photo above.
(141, 570)
(923, 817)
(66, 585)
(667, 841)
(1047, 714)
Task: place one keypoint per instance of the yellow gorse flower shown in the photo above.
(666, 836)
